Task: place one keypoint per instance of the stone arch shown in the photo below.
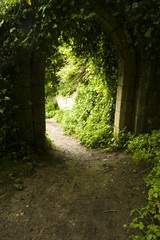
(137, 101)
(135, 77)
(126, 88)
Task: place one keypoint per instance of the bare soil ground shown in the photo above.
(73, 194)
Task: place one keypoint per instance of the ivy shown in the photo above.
(11, 142)
(41, 24)
(92, 116)
(146, 147)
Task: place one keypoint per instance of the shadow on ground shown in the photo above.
(73, 194)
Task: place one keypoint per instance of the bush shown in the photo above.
(146, 147)
(90, 120)
(51, 107)
(11, 142)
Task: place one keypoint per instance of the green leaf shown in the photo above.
(72, 3)
(149, 237)
(55, 26)
(12, 29)
(148, 33)
(135, 5)
(29, 2)
(1, 23)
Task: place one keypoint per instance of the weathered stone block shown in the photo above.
(38, 95)
(39, 135)
(28, 135)
(140, 109)
(140, 124)
(144, 68)
(152, 110)
(37, 79)
(141, 96)
(21, 80)
(143, 82)
(154, 97)
(125, 93)
(153, 122)
(127, 68)
(37, 68)
(126, 80)
(158, 69)
(22, 96)
(124, 107)
(38, 114)
(22, 62)
(24, 119)
(123, 120)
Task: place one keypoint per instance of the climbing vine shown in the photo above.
(39, 25)
(92, 116)
(24, 25)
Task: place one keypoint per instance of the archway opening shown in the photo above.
(52, 24)
(83, 69)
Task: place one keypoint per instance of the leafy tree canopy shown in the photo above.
(28, 25)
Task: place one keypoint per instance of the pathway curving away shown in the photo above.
(74, 194)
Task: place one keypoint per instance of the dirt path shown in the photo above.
(74, 194)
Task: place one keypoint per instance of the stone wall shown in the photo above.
(37, 74)
(153, 98)
(138, 91)
(27, 75)
(146, 115)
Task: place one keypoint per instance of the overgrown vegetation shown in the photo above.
(50, 24)
(11, 142)
(146, 147)
(91, 71)
(71, 21)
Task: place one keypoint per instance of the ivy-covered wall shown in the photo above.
(38, 27)
(138, 91)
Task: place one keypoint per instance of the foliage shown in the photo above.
(92, 72)
(75, 53)
(91, 94)
(64, 72)
(96, 45)
(71, 73)
(91, 118)
(11, 142)
(6, 3)
(144, 18)
(39, 26)
(141, 19)
(146, 147)
(50, 108)
(53, 63)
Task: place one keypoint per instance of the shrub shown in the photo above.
(146, 147)
(50, 107)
